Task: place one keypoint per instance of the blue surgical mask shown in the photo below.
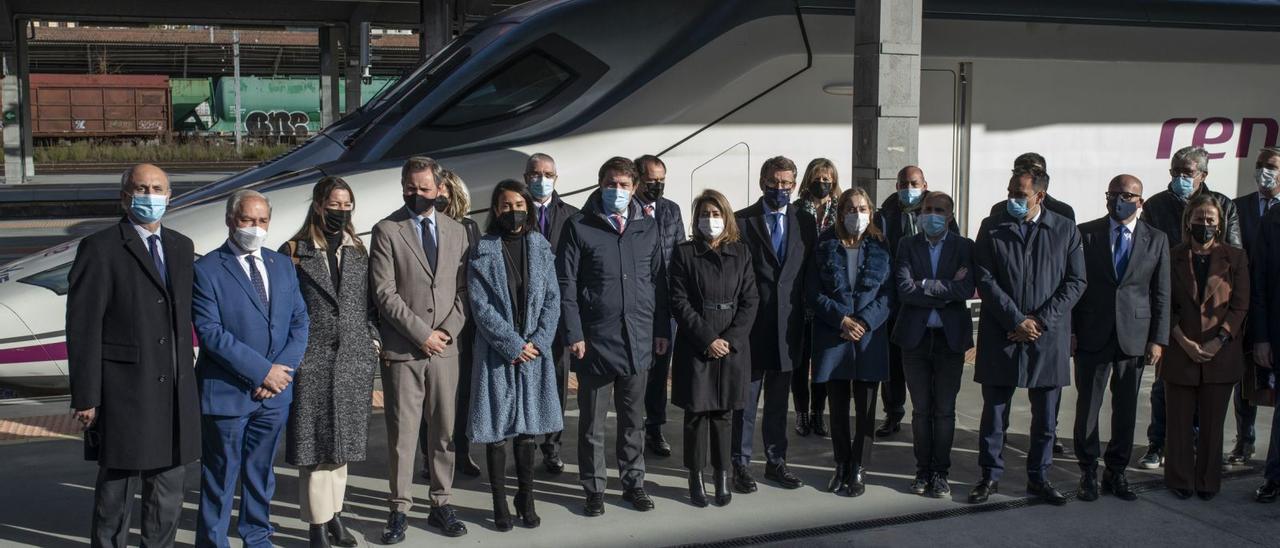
(148, 208)
(1122, 211)
(932, 224)
(910, 196)
(777, 197)
(1017, 207)
(541, 187)
(615, 199)
(1182, 186)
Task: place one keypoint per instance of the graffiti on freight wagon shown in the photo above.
(277, 123)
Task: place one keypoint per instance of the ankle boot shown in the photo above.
(341, 536)
(723, 494)
(495, 456)
(802, 424)
(526, 448)
(697, 491)
(815, 423)
(319, 537)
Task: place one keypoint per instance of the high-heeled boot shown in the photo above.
(319, 537)
(815, 424)
(526, 448)
(802, 423)
(723, 494)
(697, 491)
(495, 456)
(339, 533)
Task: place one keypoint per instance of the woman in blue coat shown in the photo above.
(850, 299)
(515, 306)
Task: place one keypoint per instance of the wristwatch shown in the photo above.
(1224, 337)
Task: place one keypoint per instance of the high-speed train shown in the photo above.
(715, 87)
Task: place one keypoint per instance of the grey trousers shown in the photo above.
(162, 491)
(628, 402)
(414, 392)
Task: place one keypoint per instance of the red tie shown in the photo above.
(618, 222)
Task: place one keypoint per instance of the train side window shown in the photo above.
(54, 279)
(518, 88)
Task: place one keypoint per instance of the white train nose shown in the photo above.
(26, 360)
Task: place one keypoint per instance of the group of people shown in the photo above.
(827, 298)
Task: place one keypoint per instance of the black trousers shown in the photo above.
(1093, 372)
(707, 434)
(934, 372)
(775, 386)
(551, 442)
(162, 491)
(655, 392)
(593, 407)
(1245, 411)
(894, 392)
(852, 449)
(801, 387)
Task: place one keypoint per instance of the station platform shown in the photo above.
(48, 491)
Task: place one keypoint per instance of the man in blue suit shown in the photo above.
(252, 325)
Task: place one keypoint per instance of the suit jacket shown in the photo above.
(1264, 313)
(1041, 275)
(833, 299)
(1225, 304)
(413, 301)
(775, 335)
(1250, 219)
(1164, 211)
(560, 213)
(240, 338)
(943, 293)
(129, 348)
(1134, 309)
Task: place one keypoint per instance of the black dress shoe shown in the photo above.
(339, 533)
(468, 466)
(939, 488)
(838, 477)
(1088, 486)
(920, 485)
(553, 464)
(1206, 495)
(1046, 492)
(638, 499)
(742, 480)
(1117, 485)
(319, 538)
(594, 506)
(780, 474)
(854, 485)
(802, 424)
(1058, 448)
(889, 428)
(446, 520)
(393, 533)
(1183, 494)
(658, 444)
(983, 491)
(816, 424)
(697, 491)
(1268, 492)
(723, 494)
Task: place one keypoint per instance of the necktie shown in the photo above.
(1121, 250)
(1270, 204)
(153, 245)
(256, 277)
(617, 221)
(429, 243)
(777, 236)
(1026, 229)
(648, 211)
(542, 221)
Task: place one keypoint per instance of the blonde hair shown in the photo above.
(819, 164)
(873, 230)
(459, 198)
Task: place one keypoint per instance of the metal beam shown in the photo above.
(16, 91)
(328, 41)
(434, 26)
(886, 96)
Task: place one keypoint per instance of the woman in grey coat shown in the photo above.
(332, 394)
(515, 305)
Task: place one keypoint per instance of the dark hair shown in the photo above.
(873, 229)
(313, 226)
(939, 195)
(730, 233)
(1033, 161)
(777, 163)
(1196, 203)
(511, 185)
(643, 162)
(418, 164)
(1039, 179)
(620, 166)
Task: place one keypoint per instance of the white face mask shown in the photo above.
(857, 223)
(1266, 178)
(711, 226)
(250, 238)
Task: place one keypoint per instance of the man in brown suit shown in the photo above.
(417, 275)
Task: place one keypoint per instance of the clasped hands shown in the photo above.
(1027, 331)
(719, 348)
(277, 380)
(853, 329)
(1198, 352)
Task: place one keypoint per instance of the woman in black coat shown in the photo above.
(713, 300)
(332, 395)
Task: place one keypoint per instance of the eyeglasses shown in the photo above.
(779, 184)
(1123, 196)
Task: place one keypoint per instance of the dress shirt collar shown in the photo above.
(144, 233)
(241, 253)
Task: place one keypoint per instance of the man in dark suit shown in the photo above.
(1120, 324)
(934, 278)
(614, 295)
(653, 180)
(779, 239)
(1264, 329)
(130, 360)
(1252, 207)
(252, 323)
(1188, 168)
(1030, 272)
(551, 214)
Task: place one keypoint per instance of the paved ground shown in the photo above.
(46, 494)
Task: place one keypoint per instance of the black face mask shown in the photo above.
(1203, 234)
(417, 203)
(653, 191)
(441, 203)
(512, 221)
(822, 190)
(336, 219)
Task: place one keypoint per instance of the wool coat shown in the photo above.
(833, 300)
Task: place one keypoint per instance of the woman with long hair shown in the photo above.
(818, 190)
(332, 393)
(849, 295)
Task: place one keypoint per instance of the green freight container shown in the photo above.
(284, 107)
(192, 98)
